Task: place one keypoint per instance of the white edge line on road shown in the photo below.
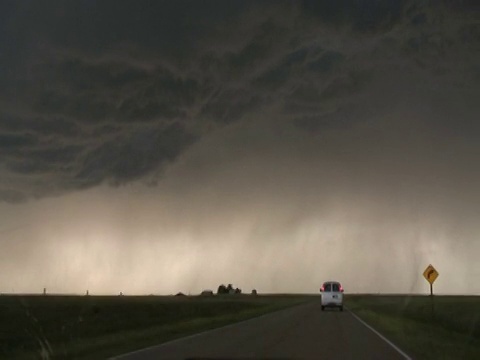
(202, 333)
(381, 336)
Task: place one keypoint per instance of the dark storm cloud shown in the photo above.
(326, 62)
(132, 156)
(230, 106)
(39, 126)
(13, 141)
(78, 75)
(361, 15)
(166, 27)
(276, 76)
(100, 92)
(346, 84)
(163, 95)
(113, 90)
(47, 158)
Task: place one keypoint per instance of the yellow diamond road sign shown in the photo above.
(430, 274)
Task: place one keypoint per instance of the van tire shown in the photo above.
(341, 308)
(323, 308)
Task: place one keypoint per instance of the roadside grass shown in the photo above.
(450, 331)
(97, 327)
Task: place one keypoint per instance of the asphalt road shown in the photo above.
(301, 332)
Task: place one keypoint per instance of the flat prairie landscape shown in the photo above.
(95, 327)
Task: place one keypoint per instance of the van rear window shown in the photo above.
(331, 287)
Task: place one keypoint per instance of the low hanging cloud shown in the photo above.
(113, 92)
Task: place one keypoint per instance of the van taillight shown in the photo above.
(341, 289)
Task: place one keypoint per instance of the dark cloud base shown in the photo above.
(113, 92)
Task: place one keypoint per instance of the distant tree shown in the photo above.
(229, 289)
(222, 289)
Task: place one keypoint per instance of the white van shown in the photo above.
(332, 295)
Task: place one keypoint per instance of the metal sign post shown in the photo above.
(431, 274)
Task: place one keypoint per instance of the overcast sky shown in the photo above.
(152, 147)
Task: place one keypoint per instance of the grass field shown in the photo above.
(96, 327)
(451, 330)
